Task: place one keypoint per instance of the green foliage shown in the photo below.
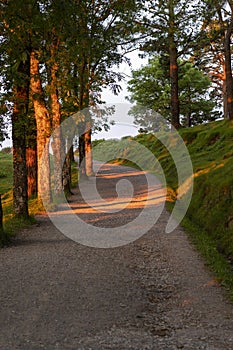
(160, 25)
(150, 88)
(97, 142)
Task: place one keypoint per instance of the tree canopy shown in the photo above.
(150, 88)
(56, 57)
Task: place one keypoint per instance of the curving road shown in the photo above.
(153, 293)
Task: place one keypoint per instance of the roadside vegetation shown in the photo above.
(209, 220)
(11, 223)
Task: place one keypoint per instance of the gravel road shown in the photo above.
(153, 293)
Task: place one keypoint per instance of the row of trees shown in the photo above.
(199, 33)
(56, 56)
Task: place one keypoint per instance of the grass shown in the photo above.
(209, 219)
(12, 224)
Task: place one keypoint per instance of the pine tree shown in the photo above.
(171, 31)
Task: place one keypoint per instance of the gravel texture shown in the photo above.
(154, 293)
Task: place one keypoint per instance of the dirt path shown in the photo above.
(154, 293)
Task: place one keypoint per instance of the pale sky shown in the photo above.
(124, 123)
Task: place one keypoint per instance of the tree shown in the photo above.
(70, 49)
(209, 57)
(227, 28)
(219, 14)
(102, 32)
(170, 31)
(150, 88)
(196, 103)
(43, 129)
(17, 71)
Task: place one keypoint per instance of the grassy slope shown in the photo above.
(209, 219)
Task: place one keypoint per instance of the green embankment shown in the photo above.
(209, 220)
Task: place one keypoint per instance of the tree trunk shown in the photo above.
(72, 154)
(66, 172)
(229, 80)
(43, 131)
(19, 120)
(224, 89)
(189, 115)
(175, 105)
(88, 150)
(85, 156)
(56, 121)
(31, 156)
(82, 158)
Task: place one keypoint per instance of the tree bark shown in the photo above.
(66, 172)
(85, 154)
(31, 156)
(82, 158)
(20, 110)
(88, 150)
(72, 154)
(224, 92)
(228, 80)
(175, 105)
(43, 131)
(31, 161)
(228, 63)
(56, 122)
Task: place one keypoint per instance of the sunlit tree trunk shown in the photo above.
(85, 154)
(224, 92)
(31, 156)
(19, 122)
(43, 131)
(88, 150)
(82, 158)
(31, 161)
